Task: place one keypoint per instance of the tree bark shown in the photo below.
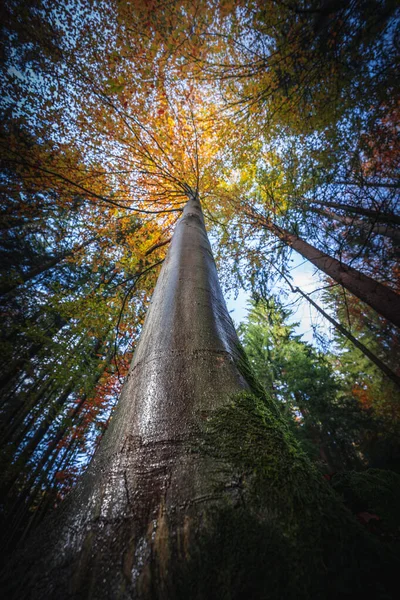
(375, 215)
(380, 229)
(381, 298)
(183, 368)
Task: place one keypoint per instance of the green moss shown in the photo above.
(253, 436)
(284, 533)
(245, 369)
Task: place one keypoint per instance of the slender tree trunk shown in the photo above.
(22, 502)
(45, 503)
(381, 216)
(361, 184)
(372, 357)
(381, 298)
(54, 409)
(18, 365)
(36, 439)
(63, 428)
(16, 425)
(380, 229)
(7, 287)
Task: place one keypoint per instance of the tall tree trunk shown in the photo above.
(381, 298)
(63, 428)
(380, 229)
(370, 184)
(375, 215)
(346, 333)
(17, 424)
(45, 265)
(183, 368)
(197, 489)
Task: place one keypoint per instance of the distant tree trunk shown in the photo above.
(314, 431)
(363, 183)
(375, 215)
(16, 367)
(372, 357)
(17, 424)
(197, 489)
(380, 229)
(381, 298)
(46, 264)
(63, 428)
(35, 440)
(35, 482)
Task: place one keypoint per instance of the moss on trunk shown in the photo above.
(287, 534)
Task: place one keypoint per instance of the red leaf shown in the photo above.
(366, 517)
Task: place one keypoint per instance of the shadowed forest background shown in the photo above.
(284, 118)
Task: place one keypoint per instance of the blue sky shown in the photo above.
(307, 278)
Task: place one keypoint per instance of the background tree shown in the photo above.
(367, 383)
(326, 419)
